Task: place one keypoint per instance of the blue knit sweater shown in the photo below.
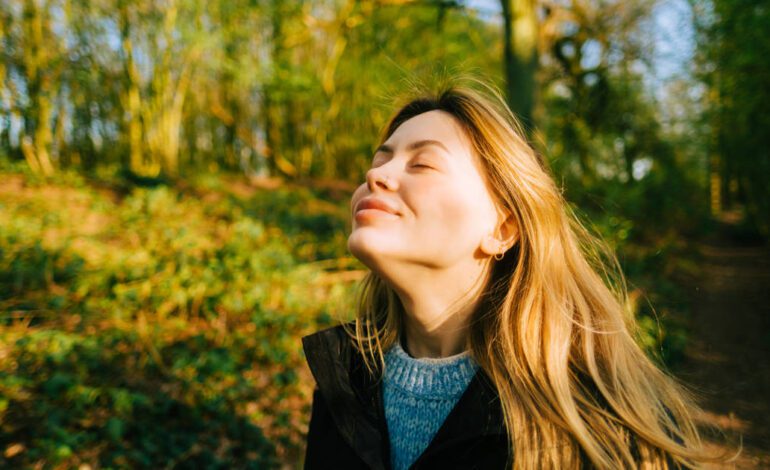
(418, 395)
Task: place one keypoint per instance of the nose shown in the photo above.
(376, 177)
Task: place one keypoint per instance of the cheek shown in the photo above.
(463, 213)
(454, 211)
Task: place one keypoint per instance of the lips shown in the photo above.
(374, 203)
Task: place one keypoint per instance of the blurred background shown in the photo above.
(175, 178)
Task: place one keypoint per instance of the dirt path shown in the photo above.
(728, 354)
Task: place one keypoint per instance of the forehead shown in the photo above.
(435, 125)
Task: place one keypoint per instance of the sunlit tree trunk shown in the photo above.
(132, 95)
(60, 144)
(6, 97)
(37, 57)
(520, 55)
(164, 111)
(715, 185)
(272, 115)
(338, 34)
(230, 157)
(155, 120)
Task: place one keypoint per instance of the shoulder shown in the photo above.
(326, 335)
(332, 356)
(326, 344)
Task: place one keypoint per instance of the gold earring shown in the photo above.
(501, 254)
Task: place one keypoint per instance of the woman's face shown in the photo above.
(426, 172)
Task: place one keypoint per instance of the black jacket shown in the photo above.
(348, 428)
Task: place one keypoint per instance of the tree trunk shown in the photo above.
(133, 100)
(520, 56)
(36, 148)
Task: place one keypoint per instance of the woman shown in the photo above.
(486, 335)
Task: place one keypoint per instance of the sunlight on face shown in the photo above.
(441, 208)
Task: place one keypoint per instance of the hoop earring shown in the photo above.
(501, 254)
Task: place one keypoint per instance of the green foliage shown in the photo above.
(734, 66)
(317, 227)
(75, 396)
(661, 304)
(168, 89)
(656, 257)
(160, 329)
(154, 319)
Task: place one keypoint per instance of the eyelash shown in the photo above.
(417, 165)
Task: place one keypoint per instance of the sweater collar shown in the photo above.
(445, 377)
(354, 399)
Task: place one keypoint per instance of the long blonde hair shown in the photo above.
(553, 329)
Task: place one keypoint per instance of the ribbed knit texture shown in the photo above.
(418, 394)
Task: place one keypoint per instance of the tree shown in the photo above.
(520, 39)
(734, 47)
(41, 63)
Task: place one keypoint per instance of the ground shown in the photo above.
(728, 354)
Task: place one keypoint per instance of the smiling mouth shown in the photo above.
(373, 212)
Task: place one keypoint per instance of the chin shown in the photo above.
(369, 253)
(361, 250)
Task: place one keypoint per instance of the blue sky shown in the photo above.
(674, 38)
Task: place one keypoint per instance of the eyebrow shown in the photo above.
(413, 146)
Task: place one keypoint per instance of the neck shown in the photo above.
(438, 306)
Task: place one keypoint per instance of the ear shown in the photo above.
(509, 231)
(505, 236)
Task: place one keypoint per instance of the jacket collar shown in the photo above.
(354, 398)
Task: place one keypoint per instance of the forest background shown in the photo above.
(175, 178)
